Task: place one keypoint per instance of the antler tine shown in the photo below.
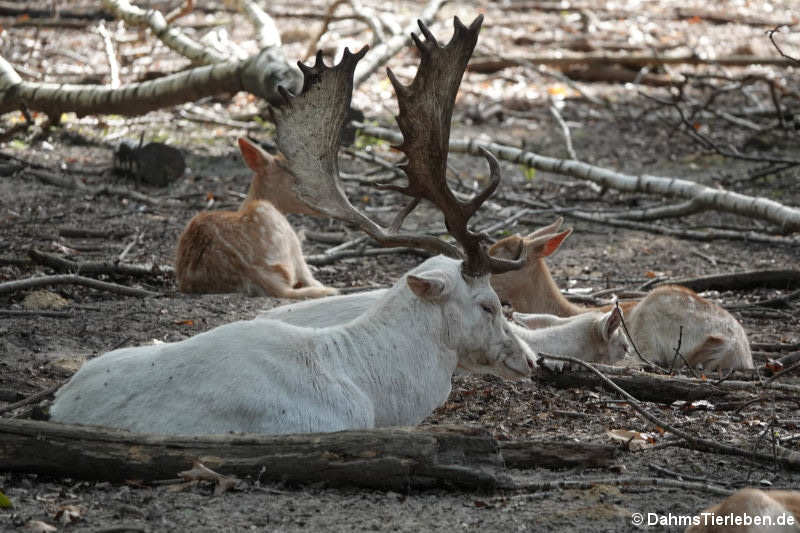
(308, 128)
(426, 109)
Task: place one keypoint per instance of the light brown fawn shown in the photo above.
(774, 510)
(253, 250)
(708, 334)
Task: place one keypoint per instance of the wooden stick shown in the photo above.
(33, 398)
(67, 279)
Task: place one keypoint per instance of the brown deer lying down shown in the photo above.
(757, 511)
(708, 334)
(253, 250)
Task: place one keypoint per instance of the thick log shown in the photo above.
(732, 281)
(386, 459)
(465, 458)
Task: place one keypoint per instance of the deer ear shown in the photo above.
(508, 248)
(609, 323)
(429, 285)
(552, 228)
(254, 156)
(535, 321)
(544, 245)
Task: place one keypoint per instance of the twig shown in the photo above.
(111, 55)
(313, 42)
(564, 130)
(387, 49)
(345, 245)
(780, 301)
(783, 456)
(91, 267)
(537, 486)
(30, 399)
(34, 312)
(67, 279)
(328, 258)
(771, 34)
(129, 247)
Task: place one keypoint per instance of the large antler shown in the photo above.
(308, 130)
(309, 126)
(426, 109)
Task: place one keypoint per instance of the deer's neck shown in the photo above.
(558, 340)
(403, 367)
(542, 294)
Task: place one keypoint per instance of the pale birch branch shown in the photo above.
(169, 35)
(386, 50)
(260, 75)
(786, 217)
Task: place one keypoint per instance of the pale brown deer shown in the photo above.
(253, 250)
(751, 511)
(393, 364)
(667, 319)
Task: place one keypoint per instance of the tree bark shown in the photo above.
(397, 459)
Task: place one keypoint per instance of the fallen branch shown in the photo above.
(779, 455)
(96, 267)
(490, 65)
(33, 398)
(539, 486)
(328, 258)
(171, 36)
(773, 279)
(72, 279)
(787, 218)
(645, 387)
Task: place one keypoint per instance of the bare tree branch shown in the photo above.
(785, 217)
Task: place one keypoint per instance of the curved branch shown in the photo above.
(261, 75)
(787, 218)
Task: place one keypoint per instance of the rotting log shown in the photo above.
(461, 457)
(386, 459)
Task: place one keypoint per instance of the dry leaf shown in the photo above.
(633, 440)
(68, 514)
(773, 366)
(187, 322)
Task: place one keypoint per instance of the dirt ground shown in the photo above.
(44, 337)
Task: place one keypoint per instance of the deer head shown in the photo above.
(308, 131)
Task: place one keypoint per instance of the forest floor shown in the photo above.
(46, 334)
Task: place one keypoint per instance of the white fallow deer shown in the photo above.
(751, 511)
(591, 336)
(708, 334)
(253, 250)
(390, 366)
